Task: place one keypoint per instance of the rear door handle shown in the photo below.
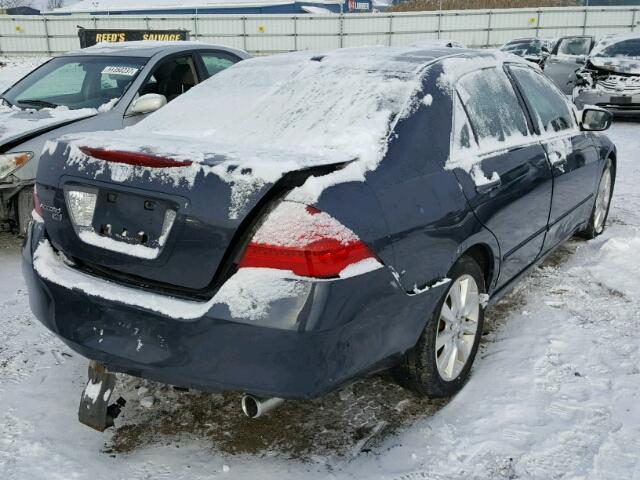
(491, 184)
(557, 159)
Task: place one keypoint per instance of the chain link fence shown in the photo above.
(267, 34)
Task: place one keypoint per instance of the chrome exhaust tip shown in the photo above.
(254, 407)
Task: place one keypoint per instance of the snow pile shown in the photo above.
(139, 251)
(121, 172)
(295, 225)
(248, 294)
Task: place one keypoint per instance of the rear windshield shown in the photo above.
(75, 82)
(625, 48)
(340, 101)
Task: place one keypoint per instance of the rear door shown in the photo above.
(571, 152)
(509, 185)
(568, 55)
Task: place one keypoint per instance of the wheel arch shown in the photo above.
(484, 256)
(613, 155)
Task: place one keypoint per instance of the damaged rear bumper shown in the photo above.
(335, 331)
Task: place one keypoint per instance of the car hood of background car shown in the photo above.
(16, 123)
(625, 65)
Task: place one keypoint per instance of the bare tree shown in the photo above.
(4, 4)
(53, 4)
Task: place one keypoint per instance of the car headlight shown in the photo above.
(10, 162)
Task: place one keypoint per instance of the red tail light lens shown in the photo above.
(134, 158)
(305, 241)
(37, 206)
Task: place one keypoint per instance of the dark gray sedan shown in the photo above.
(105, 87)
(302, 220)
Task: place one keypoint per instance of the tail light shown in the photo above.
(306, 241)
(134, 158)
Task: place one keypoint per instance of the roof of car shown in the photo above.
(147, 49)
(408, 58)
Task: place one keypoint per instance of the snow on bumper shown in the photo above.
(307, 344)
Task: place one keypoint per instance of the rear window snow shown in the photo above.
(339, 102)
(272, 115)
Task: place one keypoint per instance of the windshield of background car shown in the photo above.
(76, 82)
(575, 46)
(626, 48)
(524, 48)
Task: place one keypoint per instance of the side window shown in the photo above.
(216, 62)
(550, 108)
(172, 78)
(463, 138)
(493, 107)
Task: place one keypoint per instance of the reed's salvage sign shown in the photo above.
(89, 37)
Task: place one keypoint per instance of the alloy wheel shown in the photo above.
(602, 200)
(457, 327)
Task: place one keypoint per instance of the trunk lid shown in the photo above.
(162, 226)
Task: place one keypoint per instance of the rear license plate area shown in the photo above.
(131, 218)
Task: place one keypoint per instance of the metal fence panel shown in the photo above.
(266, 34)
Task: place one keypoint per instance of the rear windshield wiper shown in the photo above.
(37, 103)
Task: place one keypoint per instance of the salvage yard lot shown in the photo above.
(555, 391)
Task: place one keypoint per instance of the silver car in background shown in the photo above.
(104, 87)
(611, 76)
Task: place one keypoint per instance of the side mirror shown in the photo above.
(545, 50)
(596, 119)
(148, 103)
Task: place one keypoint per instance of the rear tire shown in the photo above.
(602, 203)
(24, 206)
(439, 364)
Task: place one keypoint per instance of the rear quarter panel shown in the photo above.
(429, 221)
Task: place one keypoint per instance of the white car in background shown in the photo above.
(105, 87)
(611, 76)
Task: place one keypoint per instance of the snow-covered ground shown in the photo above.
(13, 69)
(555, 392)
